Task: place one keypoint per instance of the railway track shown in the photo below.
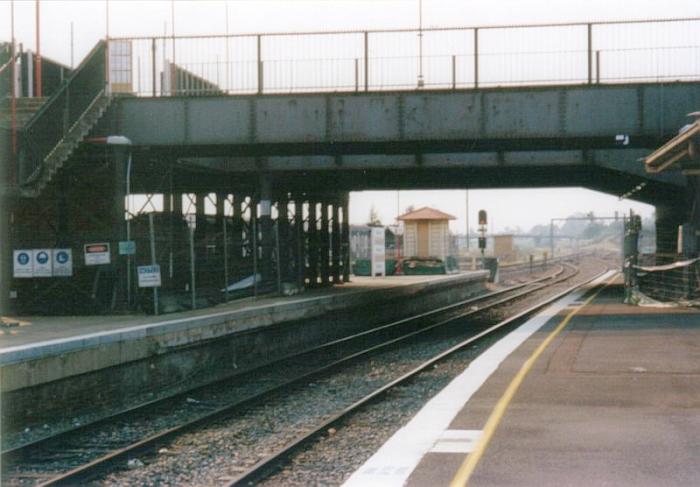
(88, 452)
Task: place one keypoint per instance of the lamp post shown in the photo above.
(122, 190)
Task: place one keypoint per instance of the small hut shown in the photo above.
(426, 233)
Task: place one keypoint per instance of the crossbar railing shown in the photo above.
(51, 122)
(436, 58)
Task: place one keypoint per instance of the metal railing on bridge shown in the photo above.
(404, 59)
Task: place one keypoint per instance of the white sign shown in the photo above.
(62, 262)
(149, 275)
(42, 263)
(23, 263)
(97, 254)
(378, 252)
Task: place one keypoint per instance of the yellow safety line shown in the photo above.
(467, 468)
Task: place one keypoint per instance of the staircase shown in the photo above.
(50, 131)
(55, 159)
(26, 108)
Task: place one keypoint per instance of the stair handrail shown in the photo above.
(49, 125)
(9, 63)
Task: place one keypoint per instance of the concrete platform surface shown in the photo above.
(34, 330)
(614, 399)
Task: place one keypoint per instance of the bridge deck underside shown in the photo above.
(580, 135)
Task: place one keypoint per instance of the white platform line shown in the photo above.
(392, 464)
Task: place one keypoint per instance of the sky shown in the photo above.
(507, 208)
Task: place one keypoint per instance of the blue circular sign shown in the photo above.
(23, 258)
(42, 257)
(62, 257)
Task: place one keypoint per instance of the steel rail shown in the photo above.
(93, 468)
(19, 449)
(263, 467)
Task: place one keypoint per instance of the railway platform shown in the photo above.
(588, 392)
(52, 366)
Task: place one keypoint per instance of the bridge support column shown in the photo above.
(236, 238)
(335, 241)
(120, 159)
(668, 218)
(175, 239)
(200, 230)
(345, 238)
(219, 230)
(265, 228)
(300, 240)
(312, 272)
(325, 243)
(284, 256)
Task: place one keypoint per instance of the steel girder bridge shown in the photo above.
(268, 140)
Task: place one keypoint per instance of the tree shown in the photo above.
(374, 220)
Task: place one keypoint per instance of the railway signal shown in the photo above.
(482, 230)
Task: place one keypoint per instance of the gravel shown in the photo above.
(220, 452)
(217, 453)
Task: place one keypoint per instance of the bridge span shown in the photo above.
(275, 143)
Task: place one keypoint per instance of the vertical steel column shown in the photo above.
(312, 273)
(300, 239)
(366, 58)
(668, 218)
(236, 253)
(120, 155)
(260, 65)
(283, 236)
(590, 53)
(193, 269)
(220, 198)
(225, 249)
(335, 241)
(357, 75)
(265, 228)
(220, 243)
(476, 58)
(325, 243)
(154, 261)
(200, 217)
(345, 238)
(175, 218)
(153, 65)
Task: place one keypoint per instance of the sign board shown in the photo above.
(149, 275)
(127, 247)
(23, 263)
(62, 262)
(378, 252)
(42, 263)
(97, 254)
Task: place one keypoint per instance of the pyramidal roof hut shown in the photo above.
(426, 233)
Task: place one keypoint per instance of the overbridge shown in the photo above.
(270, 132)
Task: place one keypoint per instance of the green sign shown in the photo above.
(127, 247)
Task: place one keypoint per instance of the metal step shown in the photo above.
(55, 160)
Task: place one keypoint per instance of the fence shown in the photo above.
(444, 58)
(667, 279)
